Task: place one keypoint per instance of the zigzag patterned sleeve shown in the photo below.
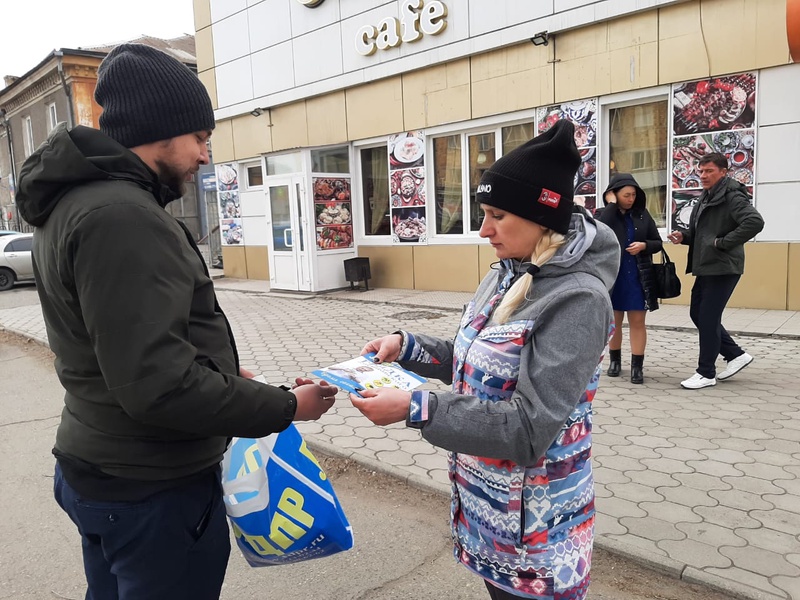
(428, 356)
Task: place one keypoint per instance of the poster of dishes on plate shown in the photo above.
(583, 115)
(711, 115)
(230, 208)
(407, 187)
(231, 230)
(333, 212)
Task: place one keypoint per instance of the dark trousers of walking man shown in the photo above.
(710, 294)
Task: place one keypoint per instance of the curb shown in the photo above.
(26, 335)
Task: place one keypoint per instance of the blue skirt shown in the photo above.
(628, 293)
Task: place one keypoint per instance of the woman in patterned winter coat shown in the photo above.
(524, 367)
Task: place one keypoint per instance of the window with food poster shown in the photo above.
(407, 192)
(333, 212)
(583, 115)
(230, 210)
(717, 114)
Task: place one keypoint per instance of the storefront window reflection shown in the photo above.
(516, 135)
(375, 190)
(638, 145)
(481, 157)
(284, 164)
(330, 160)
(448, 184)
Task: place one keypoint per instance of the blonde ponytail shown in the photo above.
(545, 249)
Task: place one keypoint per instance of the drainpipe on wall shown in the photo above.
(13, 175)
(71, 110)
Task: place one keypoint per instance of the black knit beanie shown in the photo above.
(537, 180)
(148, 96)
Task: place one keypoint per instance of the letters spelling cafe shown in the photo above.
(354, 130)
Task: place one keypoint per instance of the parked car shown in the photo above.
(16, 262)
(8, 232)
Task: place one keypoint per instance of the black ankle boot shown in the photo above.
(637, 362)
(616, 363)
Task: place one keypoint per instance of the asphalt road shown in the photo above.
(402, 549)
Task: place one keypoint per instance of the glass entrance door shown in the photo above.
(288, 251)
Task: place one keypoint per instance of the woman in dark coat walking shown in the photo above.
(634, 291)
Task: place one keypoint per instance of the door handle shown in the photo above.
(286, 241)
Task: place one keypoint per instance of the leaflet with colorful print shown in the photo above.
(359, 374)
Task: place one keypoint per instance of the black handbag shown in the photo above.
(668, 284)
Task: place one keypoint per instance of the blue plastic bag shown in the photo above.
(281, 504)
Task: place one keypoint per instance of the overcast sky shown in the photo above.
(31, 29)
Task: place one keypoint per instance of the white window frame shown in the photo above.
(622, 100)
(243, 168)
(465, 130)
(357, 195)
(27, 137)
(52, 116)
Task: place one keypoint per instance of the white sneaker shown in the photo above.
(734, 366)
(697, 382)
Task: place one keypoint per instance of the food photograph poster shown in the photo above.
(333, 213)
(230, 208)
(583, 115)
(711, 115)
(407, 187)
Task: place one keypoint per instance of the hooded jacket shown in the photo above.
(723, 219)
(518, 418)
(142, 348)
(645, 230)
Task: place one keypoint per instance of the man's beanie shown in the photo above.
(148, 96)
(537, 180)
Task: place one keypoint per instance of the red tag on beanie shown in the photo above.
(550, 198)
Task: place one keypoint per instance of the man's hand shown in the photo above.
(386, 349)
(383, 406)
(245, 373)
(676, 237)
(313, 400)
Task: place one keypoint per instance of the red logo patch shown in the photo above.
(550, 198)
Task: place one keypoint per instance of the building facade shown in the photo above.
(355, 128)
(61, 89)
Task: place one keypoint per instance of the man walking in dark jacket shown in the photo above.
(722, 221)
(147, 358)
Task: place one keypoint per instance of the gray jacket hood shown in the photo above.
(591, 248)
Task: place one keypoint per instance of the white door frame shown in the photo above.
(289, 250)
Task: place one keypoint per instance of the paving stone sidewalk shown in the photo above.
(703, 484)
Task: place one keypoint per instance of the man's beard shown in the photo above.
(168, 176)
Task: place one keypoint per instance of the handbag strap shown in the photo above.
(664, 256)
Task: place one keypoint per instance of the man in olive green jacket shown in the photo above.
(153, 385)
(722, 221)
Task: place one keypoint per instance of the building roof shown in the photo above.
(182, 48)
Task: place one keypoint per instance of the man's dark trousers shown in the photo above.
(710, 294)
(172, 545)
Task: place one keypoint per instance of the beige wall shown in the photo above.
(234, 262)
(448, 268)
(390, 266)
(257, 262)
(768, 280)
(793, 300)
(667, 45)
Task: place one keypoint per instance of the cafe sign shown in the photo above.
(417, 18)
